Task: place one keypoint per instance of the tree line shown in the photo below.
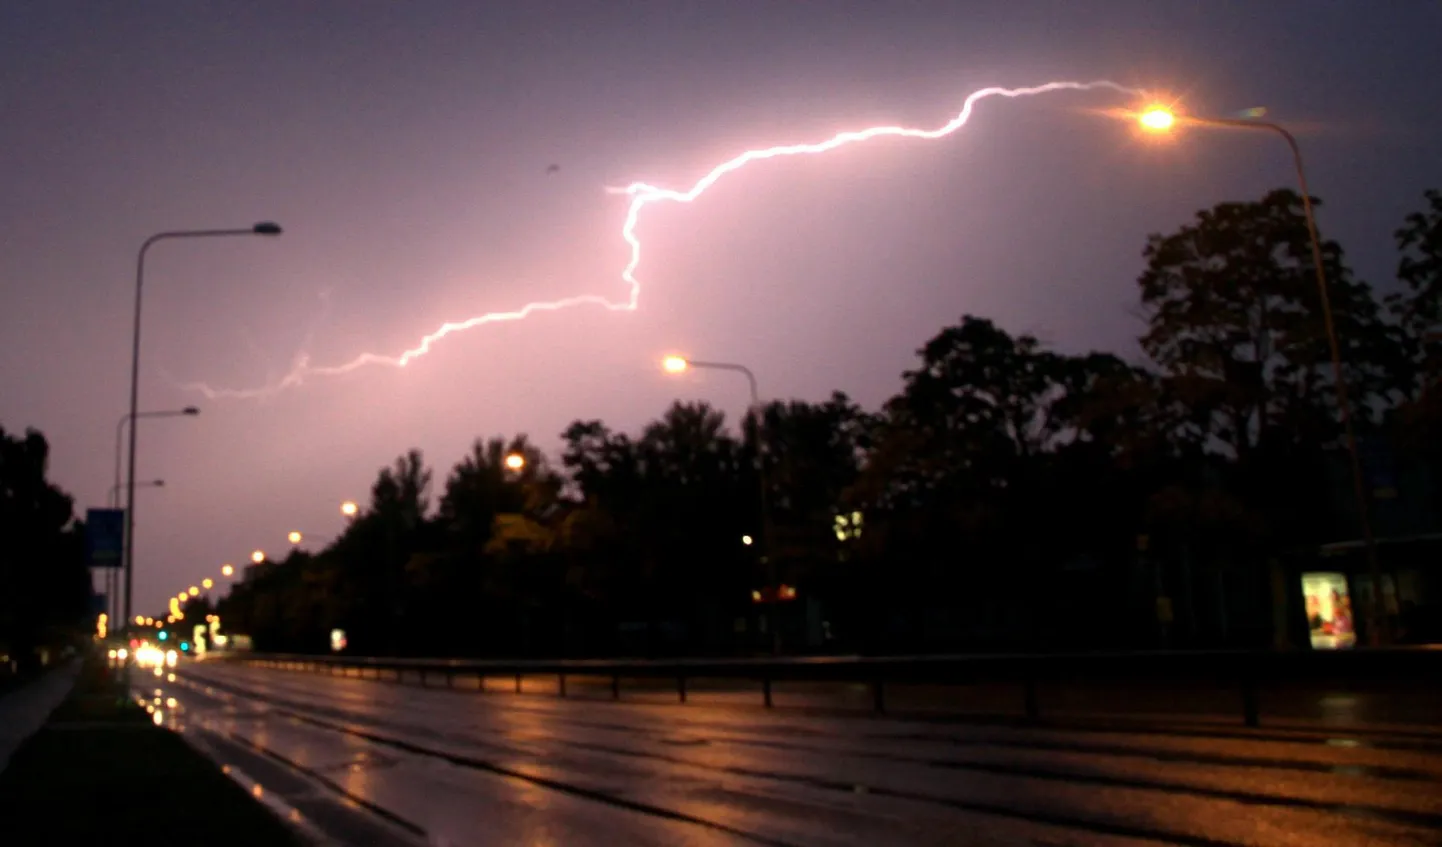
(44, 584)
(1009, 496)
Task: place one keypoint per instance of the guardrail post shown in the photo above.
(766, 689)
(561, 683)
(615, 686)
(878, 694)
(681, 687)
(1033, 711)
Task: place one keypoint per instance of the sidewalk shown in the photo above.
(24, 710)
(99, 770)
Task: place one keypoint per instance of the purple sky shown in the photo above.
(404, 148)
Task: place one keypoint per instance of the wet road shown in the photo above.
(436, 766)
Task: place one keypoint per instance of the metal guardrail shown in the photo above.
(1246, 672)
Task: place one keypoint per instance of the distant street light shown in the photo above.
(515, 461)
(1159, 119)
(153, 483)
(349, 508)
(207, 583)
(188, 411)
(258, 556)
(294, 537)
(680, 364)
(193, 590)
(227, 569)
(266, 228)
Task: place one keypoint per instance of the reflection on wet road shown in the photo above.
(461, 768)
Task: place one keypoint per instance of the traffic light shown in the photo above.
(163, 635)
(185, 646)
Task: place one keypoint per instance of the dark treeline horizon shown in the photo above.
(1007, 497)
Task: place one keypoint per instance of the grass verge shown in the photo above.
(100, 771)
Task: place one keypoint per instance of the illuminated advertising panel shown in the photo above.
(1329, 610)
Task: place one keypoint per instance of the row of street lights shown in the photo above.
(349, 509)
(1153, 119)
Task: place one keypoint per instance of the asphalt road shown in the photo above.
(371, 762)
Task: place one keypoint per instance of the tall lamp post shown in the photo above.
(263, 228)
(681, 364)
(1160, 119)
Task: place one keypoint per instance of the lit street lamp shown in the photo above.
(515, 462)
(349, 508)
(227, 569)
(258, 556)
(293, 537)
(1158, 119)
(681, 364)
(264, 228)
(207, 583)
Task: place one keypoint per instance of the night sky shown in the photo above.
(405, 148)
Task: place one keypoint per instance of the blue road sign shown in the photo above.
(104, 537)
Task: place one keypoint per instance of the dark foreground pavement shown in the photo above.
(453, 767)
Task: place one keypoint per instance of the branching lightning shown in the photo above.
(642, 195)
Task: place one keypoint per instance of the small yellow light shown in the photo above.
(207, 583)
(193, 590)
(349, 508)
(293, 537)
(746, 539)
(675, 364)
(258, 556)
(140, 620)
(515, 461)
(227, 569)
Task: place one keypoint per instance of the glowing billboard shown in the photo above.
(1329, 610)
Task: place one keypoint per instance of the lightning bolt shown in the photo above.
(642, 195)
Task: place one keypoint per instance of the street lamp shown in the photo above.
(679, 365)
(349, 508)
(1158, 119)
(207, 583)
(258, 556)
(293, 537)
(227, 569)
(515, 462)
(154, 483)
(188, 411)
(265, 228)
